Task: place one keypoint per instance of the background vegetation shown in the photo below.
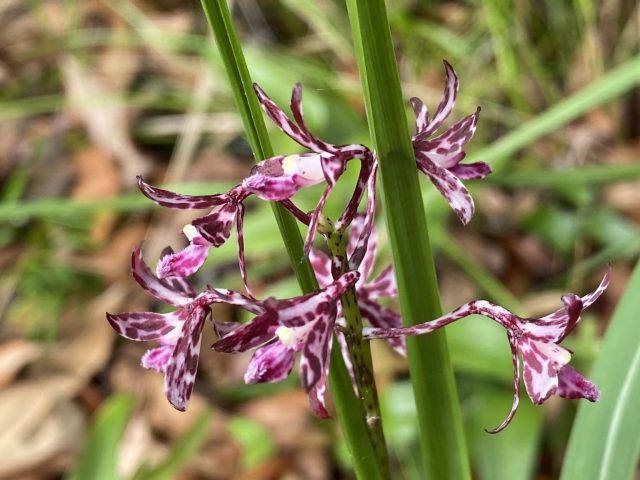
(94, 93)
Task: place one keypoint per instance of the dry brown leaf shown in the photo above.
(105, 117)
(96, 178)
(14, 355)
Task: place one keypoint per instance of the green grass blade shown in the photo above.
(442, 438)
(182, 450)
(99, 458)
(350, 413)
(608, 87)
(605, 439)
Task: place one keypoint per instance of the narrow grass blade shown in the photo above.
(442, 438)
(608, 87)
(99, 459)
(182, 450)
(605, 439)
(351, 415)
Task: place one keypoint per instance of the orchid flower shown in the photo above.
(179, 332)
(284, 327)
(439, 158)
(536, 341)
(368, 291)
(327, 159)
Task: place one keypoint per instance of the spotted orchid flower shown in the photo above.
(536, 341)
(369, 292)
(439, 158)
(328, 160)
(178, 332)
(283, 327)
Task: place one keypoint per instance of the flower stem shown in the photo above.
(359, 350)
(442, 438)
(349, 410)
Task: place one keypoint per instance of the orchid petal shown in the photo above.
(314, 362)
(321, 267)
(215, 227)
(446, 104)
(573, 385)
(542, 360)
(470, 171)
(516, 388)
(271, 363)
(157, 287)
(363, 238)
(179, 284)
(384, 285)
(182, 367)
(422, 114)
(449, 186)
(249, 335)
(383, 317)
(184, 263)
(445, 150)
(176, 200)
(145, 326)
(157, 358)
(315, 218)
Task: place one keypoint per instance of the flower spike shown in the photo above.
(440, 157)
(545, 363)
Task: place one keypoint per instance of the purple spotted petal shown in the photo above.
(446, 149)
(516, 388)
(176, 200)
(315, 306)
(555, 326)
(314, 365)
(317, 398)
(279, 178)
(271, 363)
(449, 186)
(470, 171)
(249, 335)
(145, 326)
(157, 287)
(157, 358)
(281, 120)
(542, 361)
(179, 284)
(382, 317)
(215, 227)
(573, 385)
(315, 218)
(422, 114)
(363, 239)
(186, 262)
(384, 285)
(321, 267)
(367, 165)
(446, 104)
(182, 367)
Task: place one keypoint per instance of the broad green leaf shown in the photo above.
(605, 439)
(99, 458)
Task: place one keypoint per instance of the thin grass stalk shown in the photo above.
(350, 413)
(442, 438)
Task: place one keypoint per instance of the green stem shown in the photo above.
(350, 413)
(442, 437)
(359, 350)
